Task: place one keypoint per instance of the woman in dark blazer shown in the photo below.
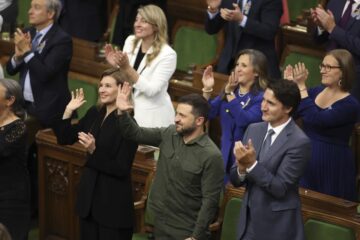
(104, 201)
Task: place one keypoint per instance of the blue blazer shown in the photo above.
(48, 71)
(272, 185)
(259, 33)
(348, 38)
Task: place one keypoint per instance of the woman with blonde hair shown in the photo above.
(149, 62)
(240, 103)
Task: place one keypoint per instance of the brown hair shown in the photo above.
(347, 67)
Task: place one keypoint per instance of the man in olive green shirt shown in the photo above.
(185, 192)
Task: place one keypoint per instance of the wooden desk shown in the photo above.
(60, 169)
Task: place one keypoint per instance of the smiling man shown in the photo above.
(269, 162)
(189, 175)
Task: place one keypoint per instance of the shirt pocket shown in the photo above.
(191, 173)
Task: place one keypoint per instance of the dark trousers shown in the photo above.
(91, 230)
(249, 230)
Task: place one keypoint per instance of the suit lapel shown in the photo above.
(259, 139)
(279, 141)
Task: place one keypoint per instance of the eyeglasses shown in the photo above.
(327, 68)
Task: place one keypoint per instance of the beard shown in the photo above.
(184, 131)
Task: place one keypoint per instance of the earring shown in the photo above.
(339, 83)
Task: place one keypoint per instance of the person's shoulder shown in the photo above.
(166, 50)
(257, 125)
(298, 133)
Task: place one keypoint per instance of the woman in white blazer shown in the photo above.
(149, 62)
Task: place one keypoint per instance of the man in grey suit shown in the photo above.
(270, 162)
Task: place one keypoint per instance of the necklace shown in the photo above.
(242, 94)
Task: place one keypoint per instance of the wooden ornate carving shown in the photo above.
(57, 176)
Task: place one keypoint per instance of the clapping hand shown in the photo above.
(123, 97)
(88, 141)
(208, 80)
(232, 82)
(325, 19)
(234, 15)
(245, 155)
(22, 43)
(110, 55)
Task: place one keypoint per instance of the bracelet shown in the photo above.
(304, 89)
(207, 91)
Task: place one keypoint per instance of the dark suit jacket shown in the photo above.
(85, 19)
(272, 185)
(105, 190)
(259, 33)
(48, 71)
(348, 38)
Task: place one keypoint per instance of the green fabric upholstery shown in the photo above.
(194, 46)
(22, 18)
(315, 230)
(231, 219)
(90, 91)
(140, 236)
(296, 7)
(312, 64)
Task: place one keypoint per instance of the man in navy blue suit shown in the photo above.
(247, 24)
(42, 57)
(339, 27)
(269, 162)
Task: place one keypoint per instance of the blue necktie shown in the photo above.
(36, 41)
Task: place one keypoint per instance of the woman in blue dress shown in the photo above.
(329, 114)
(240, 102)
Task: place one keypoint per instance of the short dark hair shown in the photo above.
(287, 92)
(200, 106)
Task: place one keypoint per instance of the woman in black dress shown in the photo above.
(14, 177)
(104, 200)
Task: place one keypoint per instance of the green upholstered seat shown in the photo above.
(22, 18)
(316, 230)
(194, 46)
(312, 63)
(296, 7)
(90, 91)
(231, 219)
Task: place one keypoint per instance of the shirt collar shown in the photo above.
(44, 31)
(279, 128)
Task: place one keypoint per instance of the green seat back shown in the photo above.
(312, 64)
(90, 91)
(22, 18)
(231, 219)
(194, 46)
(296, 7)
(316, 230)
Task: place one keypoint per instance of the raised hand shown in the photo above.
(289, 73)
(22, 43)
(234, 15)
(208, 80)
(88, 141)
(301, 74)
(123, 97)
(77, 99)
